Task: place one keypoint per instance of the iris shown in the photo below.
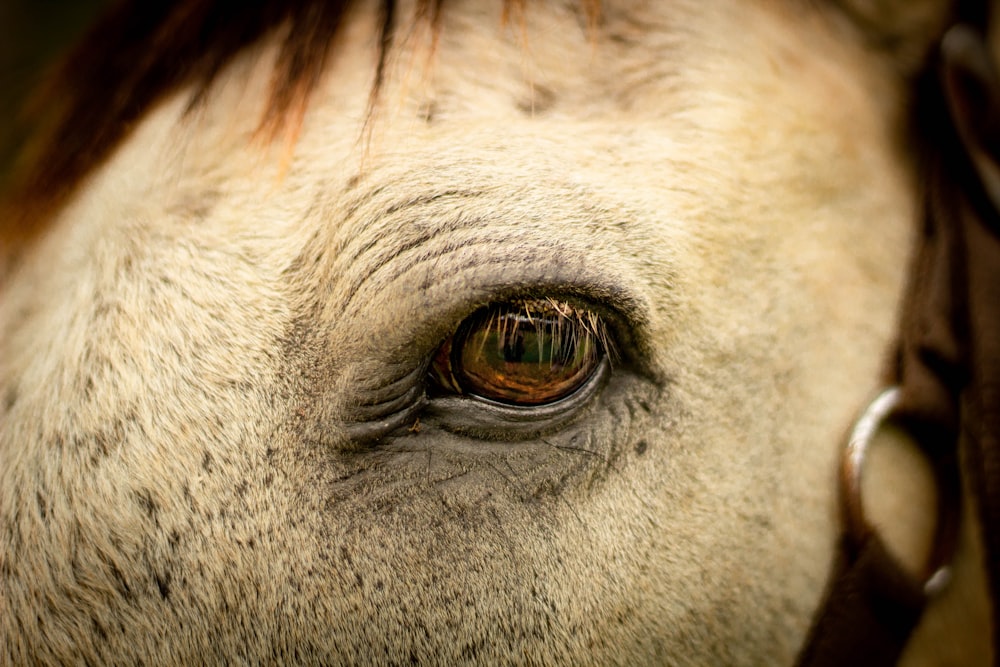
(526, 353)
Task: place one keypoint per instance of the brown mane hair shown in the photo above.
(142, 50)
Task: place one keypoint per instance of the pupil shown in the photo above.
(513, 347)
(539, 341)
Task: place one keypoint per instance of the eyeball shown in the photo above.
(525, 353)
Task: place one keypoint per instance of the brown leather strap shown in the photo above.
(870, 610)
(973, 93)
(949, 359)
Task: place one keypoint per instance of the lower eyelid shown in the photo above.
(484, 419)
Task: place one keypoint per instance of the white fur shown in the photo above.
(184, 349)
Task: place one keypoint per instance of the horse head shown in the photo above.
(480, 333)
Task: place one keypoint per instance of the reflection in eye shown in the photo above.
(530, 352)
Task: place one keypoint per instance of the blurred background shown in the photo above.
(32, 34)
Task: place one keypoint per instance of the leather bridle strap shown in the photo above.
(948, 368)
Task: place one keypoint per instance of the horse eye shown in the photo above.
(526, 353)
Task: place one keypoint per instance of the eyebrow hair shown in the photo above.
(143, 50)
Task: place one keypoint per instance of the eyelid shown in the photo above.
(421, 306)
(489, 420)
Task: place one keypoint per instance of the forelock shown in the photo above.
(143, 50)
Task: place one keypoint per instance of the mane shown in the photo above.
(143, 50)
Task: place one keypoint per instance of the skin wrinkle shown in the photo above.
(723, 205)
(411, 244)
(472, 263)
(399, 207)
(436, 258)
(530, 470)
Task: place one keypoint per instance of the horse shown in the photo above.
(377, 332)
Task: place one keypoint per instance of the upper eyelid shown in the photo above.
(424, 292)
(440, 311)
(407, 225)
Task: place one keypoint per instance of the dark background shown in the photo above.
(32, 34)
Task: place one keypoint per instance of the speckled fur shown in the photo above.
(185, 353)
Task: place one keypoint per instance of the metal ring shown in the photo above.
(937, 572)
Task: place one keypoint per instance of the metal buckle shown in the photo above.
(937, 571)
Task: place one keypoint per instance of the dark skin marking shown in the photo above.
(174, 539)
(145, 500)
(99, 629)
(43, 510)
(427, 112)
(163, 584)
(10, 398)
(538, 100)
